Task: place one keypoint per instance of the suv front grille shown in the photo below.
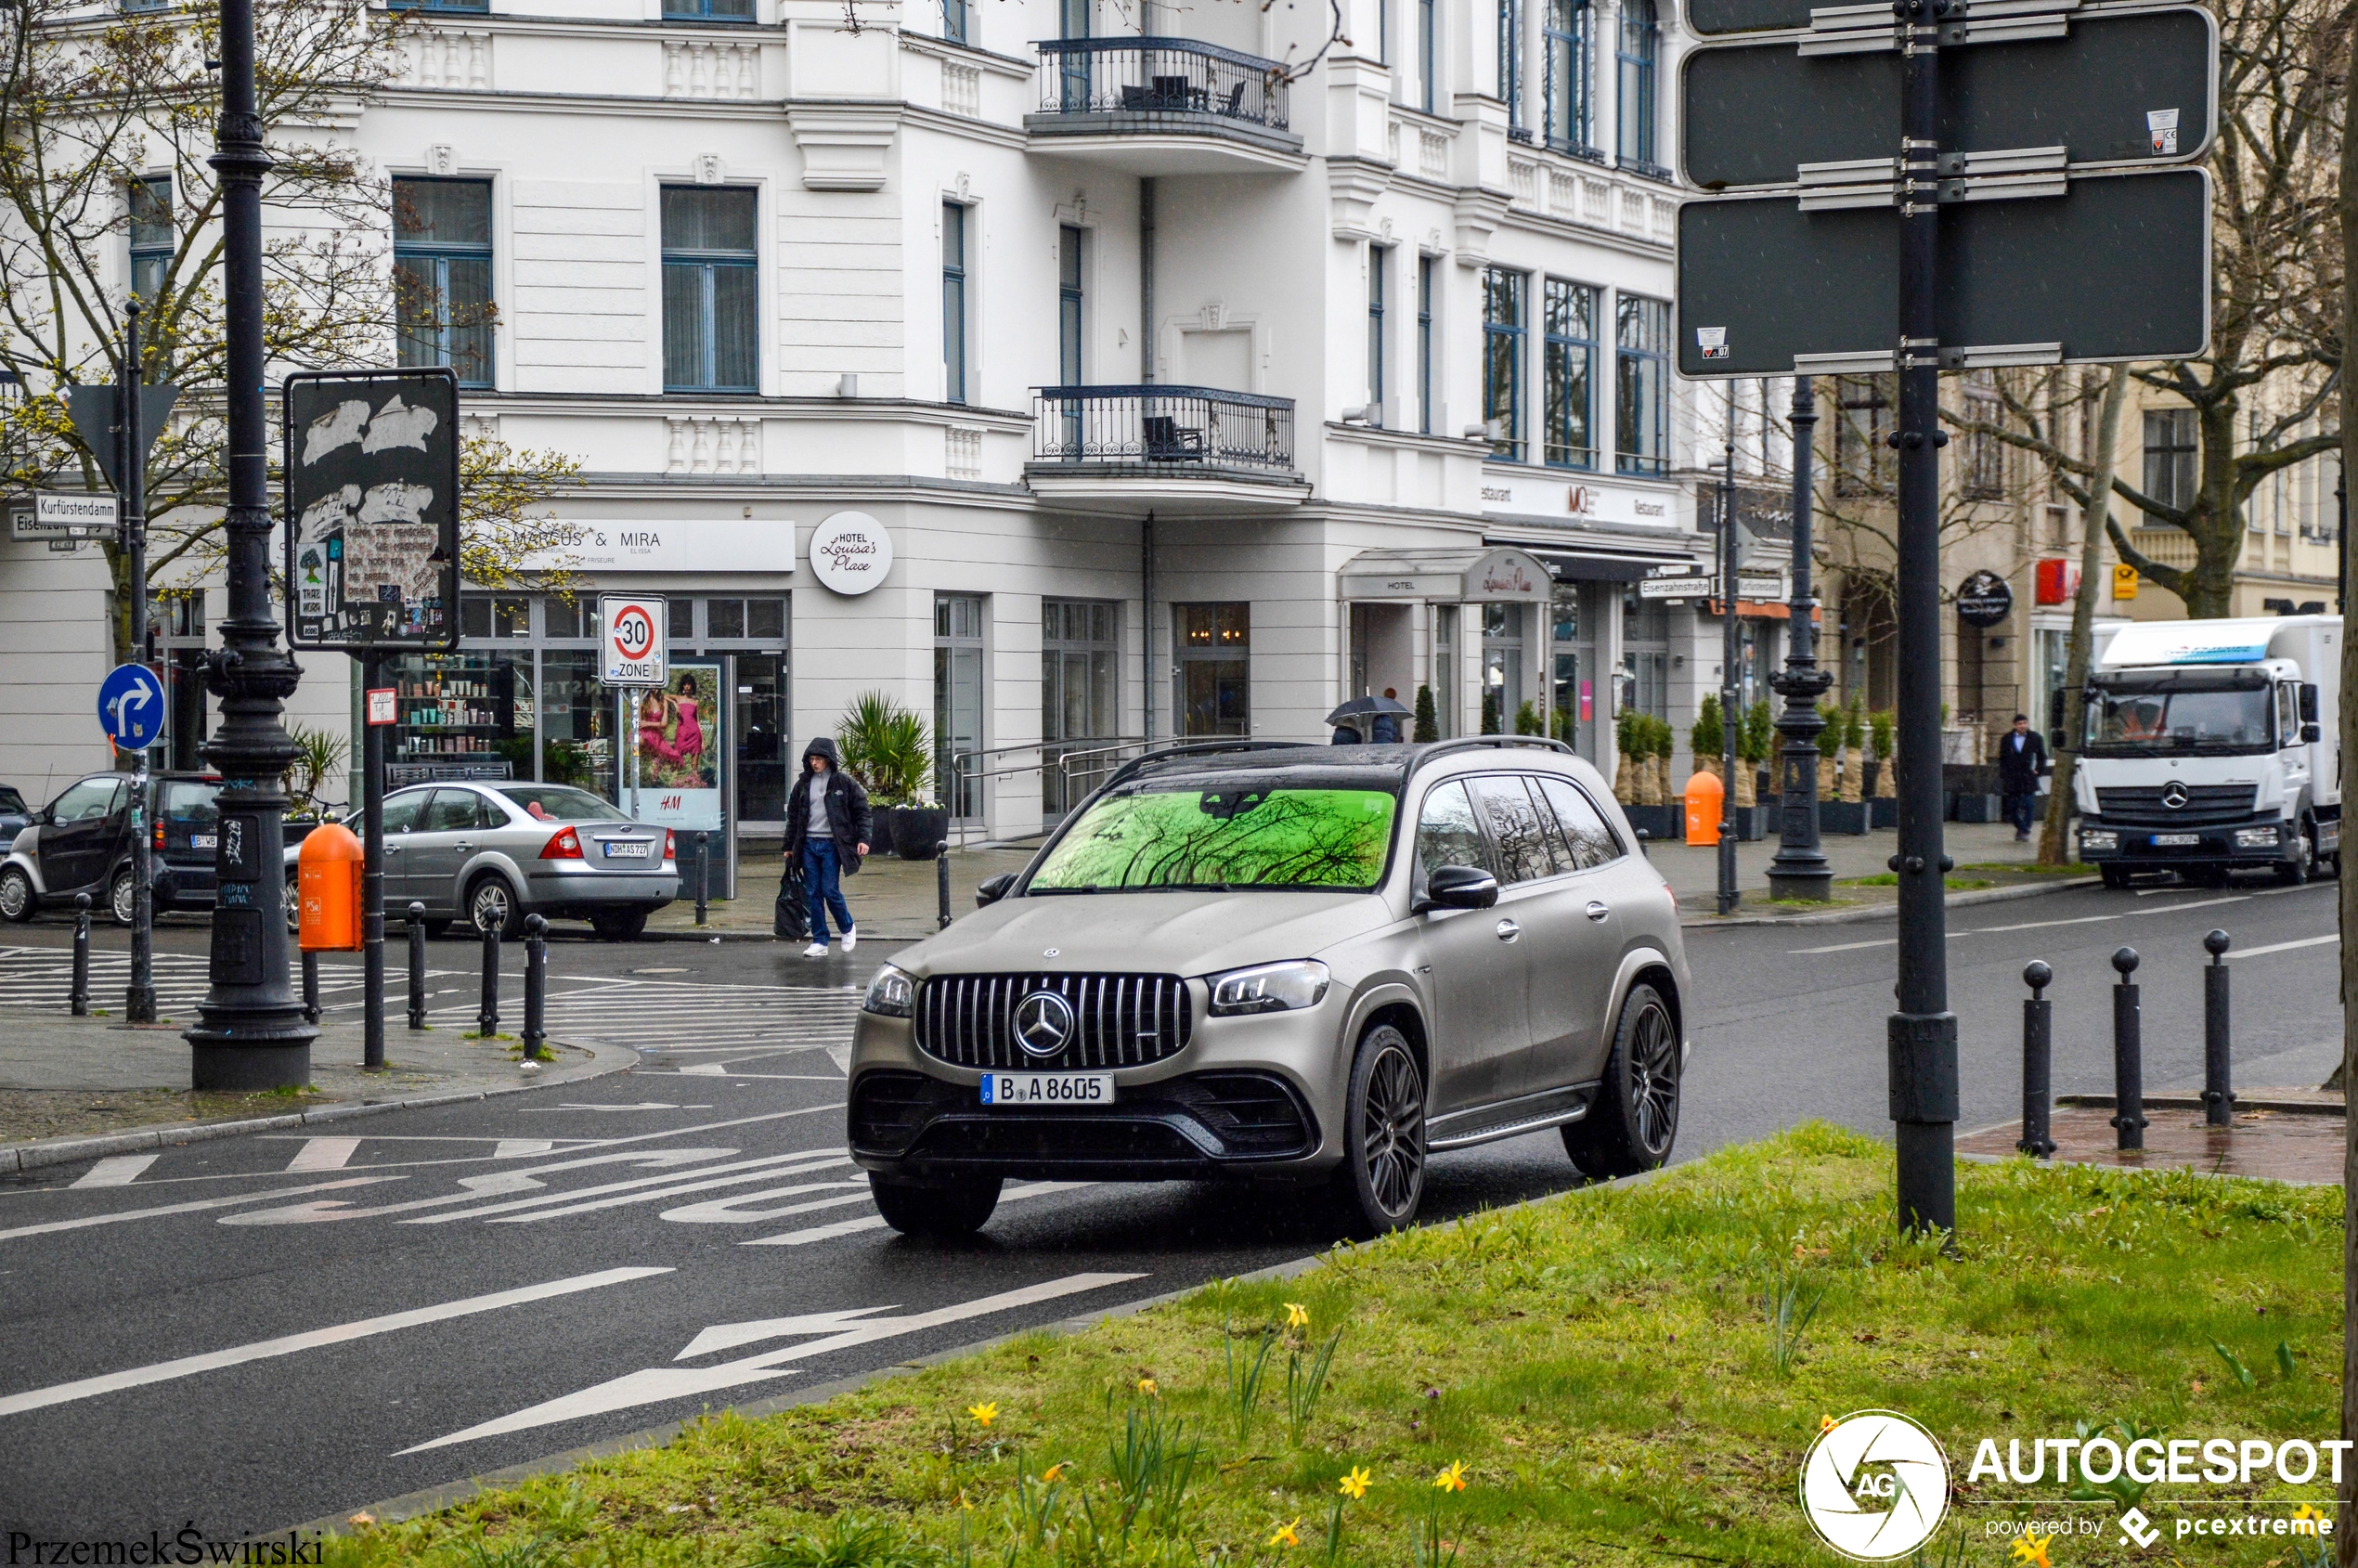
(2143, 804)
(1119, 1020)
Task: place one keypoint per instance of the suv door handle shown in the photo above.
(1597, 911)
(1508, 930)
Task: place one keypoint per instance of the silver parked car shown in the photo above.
(1304, 964)
(492, 854)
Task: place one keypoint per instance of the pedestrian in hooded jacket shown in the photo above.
(827, 832)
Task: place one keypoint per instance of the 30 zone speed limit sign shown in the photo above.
(633, 644)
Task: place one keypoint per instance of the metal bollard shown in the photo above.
(417, 965)
(488, 1014)
(2037, 1063)
(2127, 1058)
(536, 987)
(2218, 1094)
(310, 987)
(80, 998)
(703, 875)
(941, 882)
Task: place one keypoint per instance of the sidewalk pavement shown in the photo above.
(2298, 1139)
(891, 898)
(71, 1088)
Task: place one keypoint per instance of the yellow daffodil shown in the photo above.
(1297, 1315)
(2032, 1551)
(1286, 1536)
(1827, 1423)
(2305, 1511)
(963, 1501)
(983, 1414)
(1149, 1387)
(1453, 1479)
(1355, 1483)
(1054, 1471)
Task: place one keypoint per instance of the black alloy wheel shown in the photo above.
(1382, 1177)
(1635, 1119)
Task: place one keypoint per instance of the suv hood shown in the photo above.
(1184, 934)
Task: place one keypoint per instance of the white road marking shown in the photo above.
(477, 1188)
(2034, 924)
(323, 1154)
(519, 1149)
(841, 1056)
(117, 1170)
(727, 1210)
(288, 1344)
(704, 1070)
(1845, 947)
(619, 1200)
(643, 1104)
(841, 1330)
(875, 1222)
(90, 1220)
(765, 1077)
(2283, 947)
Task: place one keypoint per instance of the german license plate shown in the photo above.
(2176, 840)
(204, 841)
(1047, 1089)
(626, 848)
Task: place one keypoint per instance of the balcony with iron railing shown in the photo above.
(1162, 106)
(1167, 448)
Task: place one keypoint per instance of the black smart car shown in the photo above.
(80, 843)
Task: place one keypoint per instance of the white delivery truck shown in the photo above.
(2210, 745)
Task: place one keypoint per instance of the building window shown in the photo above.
(1080, 694)
(1985, 455)
(1569, 375)
(1567, 39)
(2172, 453)
(151, 238)
(1501, 668)
(1641, 49)
(1215, 669)
(954, 302)
(956, 20)
(1069, 319)
(708, 10)
(1378, 271)
(1644, 430)
(711, 310)
(442, 275)
(1427, 283)
(1862, 431)
(957, 702)
(1428, 54)
(1446, 696)
(1511, 65)
(1502, 334)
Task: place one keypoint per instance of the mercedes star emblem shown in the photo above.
(2173, 795)
(1043, 1022)
(1050, 952)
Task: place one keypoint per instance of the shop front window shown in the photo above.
(1501, 668)
(1215, 669)
(957, 702)
(576, 734)
(1079, 660)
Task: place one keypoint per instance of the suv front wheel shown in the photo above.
(958, 1208)
(1381, 1179)
(1630, 1127)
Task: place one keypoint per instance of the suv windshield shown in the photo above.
(2214, 712)
(560, 803)
(1224, 832)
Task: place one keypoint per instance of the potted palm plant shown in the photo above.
(889, 749)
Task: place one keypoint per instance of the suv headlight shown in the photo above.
(891, 994)
(1268, 988)
(2099, 839)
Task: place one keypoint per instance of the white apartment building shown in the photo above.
(1195, 369)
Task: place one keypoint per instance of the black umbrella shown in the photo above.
(1358, 705)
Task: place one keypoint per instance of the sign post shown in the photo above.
(372, 568)
(131, 710)
(634, 653)
(1925, 187)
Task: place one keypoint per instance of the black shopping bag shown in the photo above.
(793, 921)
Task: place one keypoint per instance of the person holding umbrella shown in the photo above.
(1364, 717)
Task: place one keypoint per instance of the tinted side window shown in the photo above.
(1447, 833)
(401, 810)
(1593, 841)
(1513, 821)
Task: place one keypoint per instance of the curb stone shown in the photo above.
(66, 1151)
(1889, 911)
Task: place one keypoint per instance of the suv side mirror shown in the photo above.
(990, 890)
(2312, 734)
(1459, 887)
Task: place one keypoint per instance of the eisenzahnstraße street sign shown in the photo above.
(2122, 88)
(372, 510)
(2118, 269)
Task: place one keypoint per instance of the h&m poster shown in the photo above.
(678, 726)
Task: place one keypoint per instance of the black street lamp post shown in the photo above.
(1800, 869)
(1731, 693)
(251, 1032)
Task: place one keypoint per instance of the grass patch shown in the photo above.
(1891, 879)
(1624, 1374)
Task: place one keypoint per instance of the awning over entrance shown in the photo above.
(1617, 562)
(1465, 575)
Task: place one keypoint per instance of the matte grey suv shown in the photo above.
(1307, 964)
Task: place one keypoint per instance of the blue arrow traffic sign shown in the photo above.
(131, 706)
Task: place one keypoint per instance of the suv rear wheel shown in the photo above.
(1381, 1179)
(1635, 1116)
(935, 1208)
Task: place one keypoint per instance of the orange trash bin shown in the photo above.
(1705, 796)
(328, 885)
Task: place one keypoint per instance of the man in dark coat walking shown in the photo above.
(2022, 757)
(827, 824)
